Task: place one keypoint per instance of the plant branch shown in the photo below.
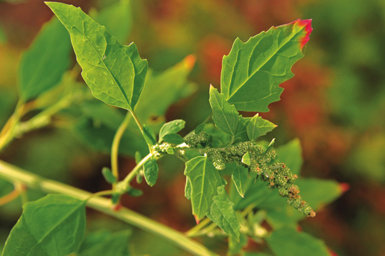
(8, 132)
(15, 174)
(115, 145)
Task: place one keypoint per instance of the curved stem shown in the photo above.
(13, 173)
(8, 131)
(198, 227)
(115, 145)
(136, 169)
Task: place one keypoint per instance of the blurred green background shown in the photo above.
(335, 104)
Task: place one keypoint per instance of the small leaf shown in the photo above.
(291, 155)
(149, 135)
(134, 192)
(289, 242)
(222, 213)
(187, 189)
(53, 225)
(151, 170)
(118, 19)
(108, 176)
(106, 244)
(173, 139)
(226, 116)
(171, 127)
(204, 180)
(258, 127)
(114, 73)
(246, 159)
(240, 177)
(44, 63)
(253, 70)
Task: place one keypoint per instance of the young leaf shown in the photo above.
(253, 70)
(204, 180)
(222, 213)
(114, 73)
(291, 155)
(44, 63)
(226, 116)
(108, 176)
(289, 242)
(118, 19)
(151, 170)
(240, 177)
(173, 138)
(171, 127)
(258, 127)
(106, 244)
(53, 225)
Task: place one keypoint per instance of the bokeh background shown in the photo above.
(335, 104)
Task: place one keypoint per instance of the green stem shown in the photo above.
(115, 145)
(7, 134)
(198, 227)
(15, 174)
(136, 169)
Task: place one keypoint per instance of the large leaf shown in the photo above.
(203, 181)
(289, 242)
(44, 63)
(104, 243)
(53, 225)
(226, 116)
(222, 213)
(118, 19)
(253, 70)
(114, 73)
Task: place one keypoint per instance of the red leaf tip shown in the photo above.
(344, 187)
(308, 29)
(196, 219)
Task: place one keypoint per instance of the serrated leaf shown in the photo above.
(118, 19)
(258, 127)
(291, 155)
(204, 180)
(240, 177)
(151, 169)
(53, 225)
(114, 73)
(253, 70)
(226, 116)
(222, 213)
(42, 66)
(106, 244)
(171, 127)
(289, 242)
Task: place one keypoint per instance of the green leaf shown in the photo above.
(53, 225)
(258, 127)
(108, 176)
(287, 242)
(204, 180)
(151, 170)
(118, 19)
(106, 244)
(226, 116)
(44, 63)
(253, 70)
(222, 213)
(240, 177)
(114, 73)
(291, 155)
(236, 245)
(319, 192)
(173, 139)
(171, 127)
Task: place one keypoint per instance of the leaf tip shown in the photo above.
(189, 61)
(344, 187)
(196, 219)
(308, 29)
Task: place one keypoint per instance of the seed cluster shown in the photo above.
(261, 161)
